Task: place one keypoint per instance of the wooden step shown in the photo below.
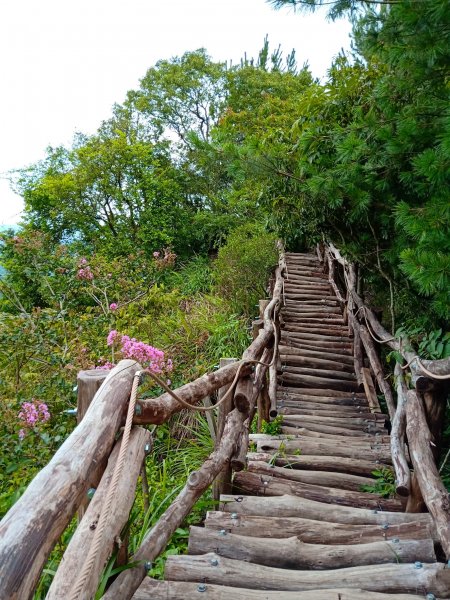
(152, 589)
(318, 372)
(290, 351)
(297, 380)
(246, 482)
(291, 553)
(315, 531)
(393, 578)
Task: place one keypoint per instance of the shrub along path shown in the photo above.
(302, 522)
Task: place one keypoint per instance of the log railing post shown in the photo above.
(223, 480)
(88, 382)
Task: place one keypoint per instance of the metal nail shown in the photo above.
(71, 411)
(430, 596)
(418, 564)
(386, 526)
(138, 410)
(223, 532)
(90, 493)
(395, 540)
(234, 515)
(214, 562)
(375, 512)
(147, 448)
(201, 587)
(147, 566)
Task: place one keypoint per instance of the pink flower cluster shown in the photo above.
(113, 306)
(147, 355)
(105, 366)
(85, 274)
(31, 414)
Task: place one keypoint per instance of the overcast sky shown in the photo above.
(64, 63)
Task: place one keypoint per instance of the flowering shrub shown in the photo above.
(166, 260)
(147, 355)
(31, 414)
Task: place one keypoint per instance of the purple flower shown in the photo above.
(21, 434)
(112, 336)
(113, 306)
(33, 412)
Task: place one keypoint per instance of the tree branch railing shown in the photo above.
(417, 418)
(87, 459)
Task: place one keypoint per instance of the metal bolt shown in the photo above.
(265, 483)
(214, 562)
(71, 411)
(430, 596)
(138, 410)
(223, 532)
(377, 462)
(147, 448)
(418, 564)
(201, 587)
(75, 389)
(386, 526)
(375, 512)
(395, 540)
(234, 515)
(90, 493)
(147, 566)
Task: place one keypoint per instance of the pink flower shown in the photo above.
(156, 254)
(113, 306)
(83, 262)
(85, 273)
(112, 336)
(168, 382)
(106, 366)
(34, 412)
(21, 434)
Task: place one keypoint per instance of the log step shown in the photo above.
(392, 578)
(152, 589)
(316, 531)
(292, 553)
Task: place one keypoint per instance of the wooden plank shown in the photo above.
(369, 389)
(396, 578)
(247, 482)
(292, 553)
(295, 506)
(316, 531)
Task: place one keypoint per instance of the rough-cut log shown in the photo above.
(341, 341)
(156, 539)
(78, 548)
(369, 389)
(316, 531)
(175, 590)
(299, 345)
(243, 394)
(292, 553)
(325, 432)
(222, 483)
(357, 423)
(88, 383)
(320, 382)
(246, 482)
(319, 371)
(322, 447)
(375, 363)
(358, 360)
(435, 495)
(212, 568)
(354, 466)
(326, 395)
(342, 481)
(291, 353)
(272, 386)
(34, 524)
(399, 462)
(294, 506)
(316, 411)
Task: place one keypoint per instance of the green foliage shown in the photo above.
(384, 484)
(271, 428)
(243, 264)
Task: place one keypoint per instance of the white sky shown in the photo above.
(65, 62)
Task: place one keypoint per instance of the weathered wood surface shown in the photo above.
(369, 389)
(342, 481)
(292, 553)
(399, 462)
(316, 531)
(358, 423)
(88, 383)
(34, 524)
(294, 506)
(78, 548)
(327, 394)
(175, 590)
(350, 466)
(393, 578)
(316, 447)
(435, 495)
(247, 482)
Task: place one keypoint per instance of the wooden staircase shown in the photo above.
(298, 524)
